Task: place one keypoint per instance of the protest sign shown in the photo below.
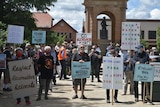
(23, 79)
(38, 37)
(144, 73)
(130, 35)
(84, 38)
(112, 73)
(157, 73)
(15, 34)
(2, 61)
(80, 70)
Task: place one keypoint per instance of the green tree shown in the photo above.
(144, 43)
(52, 38)
(18, 12)
(158, 39)
(3, 34)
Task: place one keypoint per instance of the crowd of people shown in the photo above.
(55, 60)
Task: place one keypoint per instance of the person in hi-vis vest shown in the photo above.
(61, 57)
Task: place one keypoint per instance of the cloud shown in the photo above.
(72, 11)
(155, 14)
(152, 3)
(138, 13)
(146, 9)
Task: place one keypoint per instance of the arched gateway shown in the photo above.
(115, 9)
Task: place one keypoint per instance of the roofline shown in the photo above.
(66, 23)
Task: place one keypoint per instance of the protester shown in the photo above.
(112, 53)
(81, 57)
(95, 58)
(57, 47)
(6, 71)
(140, 57)
(62, 58)
(46, 66)
(1, 71)
(55, 58)
(128, 71)
(29, 51)
(20, 56)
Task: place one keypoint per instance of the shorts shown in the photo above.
(78, 81)
(6, 73)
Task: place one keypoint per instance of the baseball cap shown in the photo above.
(140, 46)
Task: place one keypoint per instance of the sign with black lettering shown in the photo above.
(84, 38)
(23, 79)
(144, 73)
(81, 70)
(38, 37)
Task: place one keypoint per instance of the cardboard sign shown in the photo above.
(130, 35)
(22, 77)
(144, 73)
(80, 70)
(84, 38)
(15, 34)
(38, 37)
(112, 73)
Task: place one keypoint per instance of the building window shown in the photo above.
(142, 34)
(70, 35)
(151, 34)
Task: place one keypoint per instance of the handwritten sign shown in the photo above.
(112, 73)
(157, 73)
(38, 37)
(81, 70)
(130, 35)
(22, 77)
(84, 38)
(144, 73)
(15, 34)
(2, 61)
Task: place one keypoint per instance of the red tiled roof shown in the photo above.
(42, 20)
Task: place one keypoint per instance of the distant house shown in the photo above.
(63, 28)
(43, 20)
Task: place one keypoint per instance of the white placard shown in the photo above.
(130, 35)
(23, 79)
(15, 34)
(157, 73)
(84, 38)
(112, 73)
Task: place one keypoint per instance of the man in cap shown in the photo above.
(140, 57)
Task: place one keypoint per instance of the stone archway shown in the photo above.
(115, 9)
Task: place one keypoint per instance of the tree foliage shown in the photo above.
(158, 39)
(144, 43)
(17, 12)
(3, 34)
(52, 38)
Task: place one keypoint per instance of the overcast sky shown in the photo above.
(72, 11)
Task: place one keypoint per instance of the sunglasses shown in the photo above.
(82, 47)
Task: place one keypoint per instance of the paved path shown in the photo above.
(62, 93)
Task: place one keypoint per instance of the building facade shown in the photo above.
(62, 28)
(148, 29)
